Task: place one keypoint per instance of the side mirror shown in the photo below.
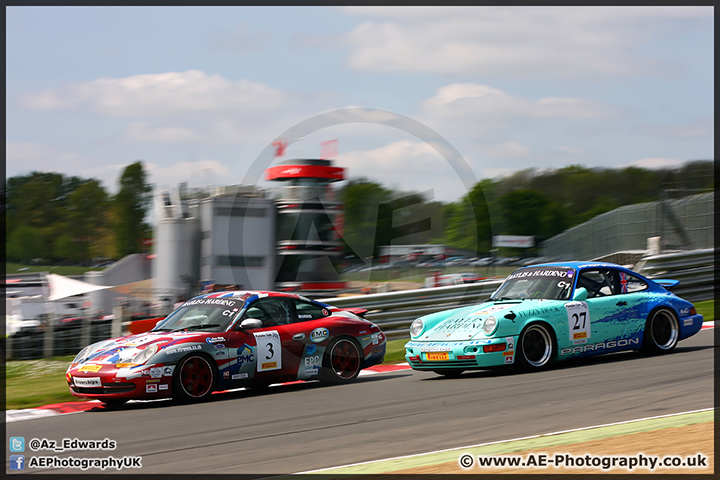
(580, 294)
(249, 323)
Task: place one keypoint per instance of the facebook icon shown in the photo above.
(17, 462)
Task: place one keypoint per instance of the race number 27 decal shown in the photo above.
(269, 351)
(578, 321)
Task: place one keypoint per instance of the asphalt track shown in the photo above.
(303, 427)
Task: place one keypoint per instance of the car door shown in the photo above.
(274, 349)
(613, 314)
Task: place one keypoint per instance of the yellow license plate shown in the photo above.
(90, 368)
(436, 356)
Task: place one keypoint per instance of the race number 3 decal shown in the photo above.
(578, 321)
(269, 353)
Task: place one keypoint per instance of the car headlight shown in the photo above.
(83, 353)
(416, 328)
(489, 325)
(145, 354)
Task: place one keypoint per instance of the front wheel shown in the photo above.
(662, 331)
(193, 379)
(535, 348)
(342, 362)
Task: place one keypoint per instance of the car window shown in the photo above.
(603, 282)
(308, 311)
(270, 311)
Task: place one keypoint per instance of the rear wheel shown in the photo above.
(662, 331)
(193, 379)
(342, 362)
(535, 348)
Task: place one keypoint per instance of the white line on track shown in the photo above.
(504, 441)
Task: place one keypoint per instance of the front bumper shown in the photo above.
(465, 355)
(142, 383)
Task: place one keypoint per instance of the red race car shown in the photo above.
(226, 340)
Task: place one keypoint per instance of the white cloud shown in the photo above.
(506, 149)
(481, 110)
(652, 163)
(543, 42)
(408, 166)
(172, 93)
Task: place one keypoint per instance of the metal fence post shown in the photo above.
(49, 337)
(117, 321)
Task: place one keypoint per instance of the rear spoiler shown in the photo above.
(360, 312)
(666, 282)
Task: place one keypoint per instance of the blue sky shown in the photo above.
(200, 93)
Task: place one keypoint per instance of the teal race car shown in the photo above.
(554, 312)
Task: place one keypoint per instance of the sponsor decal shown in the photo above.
(188, 348)
(311, 371)
(269, 350)
(215, 339)
(490, 309)
(508, 354)
(226, 374)
(362, 332)
(510, 342)
(684, 312)
(155, 380)
(509, 359)
(238, 376)
(310, 349)
(219, 345)
(156, 372)
(151, 388)
(167, 371)
(375, 338)
(222, 302)
(313, 361)
(325, 312)
(87, 381)
(538, 311)
(453, 324)
(579, 324)
(597, 347)
(245, 354)
(376, 350)
(163, 386)
(90, 368)
(687, 322)
(541, 273)
(319, 334)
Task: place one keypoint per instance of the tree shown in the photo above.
(131, 205)
(25, 243)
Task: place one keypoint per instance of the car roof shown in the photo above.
(578, 265)
(246, 294)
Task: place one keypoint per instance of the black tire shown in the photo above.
(662, 332)
(342, 361)
(451, 373)
(535, 348)
(194, 378)
(114, 402)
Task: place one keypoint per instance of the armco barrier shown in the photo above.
(695, 269)
(394, 312)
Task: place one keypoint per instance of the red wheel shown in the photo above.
(343, 361)
(194, 378)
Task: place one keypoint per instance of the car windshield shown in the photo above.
(549, 283)
(202, 314)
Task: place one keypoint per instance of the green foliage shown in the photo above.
(25, 243)
(131, 205)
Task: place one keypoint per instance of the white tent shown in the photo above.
(63, 287)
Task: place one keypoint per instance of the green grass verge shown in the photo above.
(33, 383)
